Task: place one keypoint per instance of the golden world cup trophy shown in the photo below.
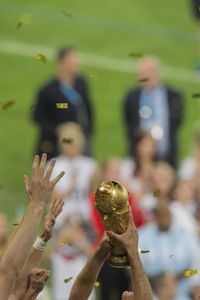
(111, 201)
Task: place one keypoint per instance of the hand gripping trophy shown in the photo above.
(111, 201)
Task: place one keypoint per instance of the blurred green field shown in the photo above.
(109, 28)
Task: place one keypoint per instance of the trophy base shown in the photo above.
(118, 261)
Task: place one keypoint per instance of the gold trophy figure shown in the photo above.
(111, 201)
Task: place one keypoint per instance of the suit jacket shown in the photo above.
(48, 117)
(132, 119)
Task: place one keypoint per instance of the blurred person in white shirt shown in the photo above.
(73, 224)
(75, 185)
(183, 208)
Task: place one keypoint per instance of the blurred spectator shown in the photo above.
(163, 179)
(70, 258)
(137, 169)
(66, 87)
(190, 166)
(79, 170)
(3, 232)
(154, 107)
(171, 249)
(164, 286)
(183, 208)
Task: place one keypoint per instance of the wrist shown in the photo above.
(36, 207)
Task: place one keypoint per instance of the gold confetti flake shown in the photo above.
(196, 95)
(97, 283)
(8, 104)
(62, 244)
(62, 105)
(67, 141)
(191, 272)
(156, 193)
(136, 54)
(15, 224)
(66, 280)
(41, 57)
(143, 251)
(24, 20)
(95, 74)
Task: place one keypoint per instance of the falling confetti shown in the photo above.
(66, 280)
(9, 103)
(67, 141)
(143, 79)
(95, 74)
(143, 251)
(24, 20)
(191, 272)
(67, 14)
(97, 283)
(172, 255)
(62, 105)
(41, 57)
(62, 244)
(15, 224)
(196, 95)
(156, 193)
(136, 54)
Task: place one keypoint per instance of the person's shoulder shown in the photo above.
(173, 92)
(81, 80)
(132, 92)
(48, 85)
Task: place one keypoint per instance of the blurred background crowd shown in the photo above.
(163, 186)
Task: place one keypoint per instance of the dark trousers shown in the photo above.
(113, 282)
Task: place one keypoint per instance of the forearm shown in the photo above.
(31, 294)
(140, 282)
(85, 281)
(18, 249)
(33, 261)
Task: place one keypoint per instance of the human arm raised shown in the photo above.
(39, 189)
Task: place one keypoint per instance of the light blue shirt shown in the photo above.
(172, 251)
(155, 101)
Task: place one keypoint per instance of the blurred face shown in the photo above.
(146, 148)
(70, 64)
(112, 170)
(167, 290)
(148, 69)
(163, 219)
(71, 150)
(162, 181)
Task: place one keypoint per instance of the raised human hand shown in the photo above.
(38, 278)
(39, 188)
(127, 296)
(50, 219)
(128, 239)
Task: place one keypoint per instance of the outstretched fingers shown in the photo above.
(54, 181)
(42, 165)
(50, 169)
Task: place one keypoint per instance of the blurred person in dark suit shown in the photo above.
(71, 89)
(153, 107)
